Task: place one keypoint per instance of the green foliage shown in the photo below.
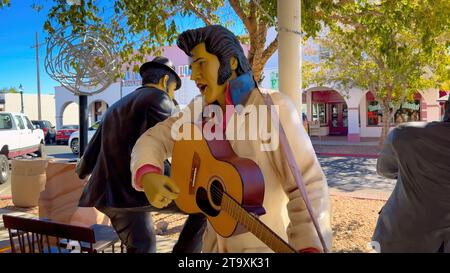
(141, 28)
(9, 90)
(316, 13)
(392, 48)
(5, 3)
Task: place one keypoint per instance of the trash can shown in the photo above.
(28, 178)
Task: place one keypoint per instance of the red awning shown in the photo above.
(444, 98)
(443, 93)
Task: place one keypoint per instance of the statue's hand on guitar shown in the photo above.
(160, 190)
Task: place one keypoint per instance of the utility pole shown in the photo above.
(289, 50)
(38, 77)
(21, 98)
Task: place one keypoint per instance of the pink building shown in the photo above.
(329, 110)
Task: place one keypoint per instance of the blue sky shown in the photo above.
(18, 26)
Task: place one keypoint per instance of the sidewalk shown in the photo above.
(339, 146)
(4, 237)
(164, 244)
(369, 194)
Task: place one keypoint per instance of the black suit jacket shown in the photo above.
(416, 217)
(108, 154)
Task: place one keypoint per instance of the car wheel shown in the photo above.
(74, 146)
(4, 169)
(40, 152)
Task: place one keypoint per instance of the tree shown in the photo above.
(4, 3)
(392, 48)
(142, 27)
(9, 90)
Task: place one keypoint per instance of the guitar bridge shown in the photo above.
(194, 171)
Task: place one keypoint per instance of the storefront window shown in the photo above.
(409, 111)
(374, 114)
(319, 114)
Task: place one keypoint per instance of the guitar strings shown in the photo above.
(216, 192)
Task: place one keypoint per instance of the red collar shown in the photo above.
(228, 100)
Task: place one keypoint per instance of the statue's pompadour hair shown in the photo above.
(220, 42)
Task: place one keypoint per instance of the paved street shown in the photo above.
(59, 151)
(56, 151)
(354, 173)
(354, 176)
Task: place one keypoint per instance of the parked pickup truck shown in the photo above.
(18, 137)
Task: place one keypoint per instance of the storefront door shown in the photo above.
(338, 119)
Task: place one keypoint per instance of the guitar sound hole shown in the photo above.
(216, 192)
(203, 203)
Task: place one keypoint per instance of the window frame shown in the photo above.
(28, 122)
(180, 69)
(315, 106)
(392, 122)
(19, 122)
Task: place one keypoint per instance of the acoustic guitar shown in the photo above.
(228, 189)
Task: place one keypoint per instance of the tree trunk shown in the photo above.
(257, 71)
(386, 122)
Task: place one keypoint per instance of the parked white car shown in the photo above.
(75, 136)
(18, 137)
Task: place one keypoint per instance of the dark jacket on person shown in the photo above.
(416, 217)
(108, 154)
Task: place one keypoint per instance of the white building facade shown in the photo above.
(330, 111)
(12, 102)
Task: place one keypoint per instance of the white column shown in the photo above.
(59, 119)
(353, 102)
(59, 111)
(433, 113)
(431, 110)
(353, 124)
(309, 105)
(289, 49)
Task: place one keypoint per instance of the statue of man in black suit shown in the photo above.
(107, 159)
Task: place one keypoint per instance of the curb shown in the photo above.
(348, 155)
(359, 197)
(6, 249)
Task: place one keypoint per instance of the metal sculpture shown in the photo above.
(85, 63)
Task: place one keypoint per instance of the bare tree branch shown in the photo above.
(251, 28)
(268, 52)
(252, 15)
(260, 41)
(191, 7)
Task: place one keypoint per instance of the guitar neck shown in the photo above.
(255, 226)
